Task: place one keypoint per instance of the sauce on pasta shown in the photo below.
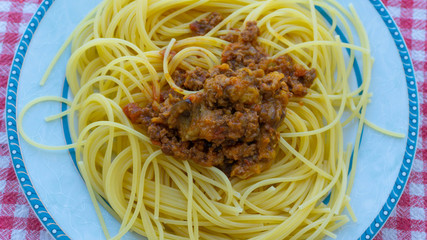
(231, 122)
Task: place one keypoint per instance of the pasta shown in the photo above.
(122, 53)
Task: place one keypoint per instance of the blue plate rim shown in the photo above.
(55, 230)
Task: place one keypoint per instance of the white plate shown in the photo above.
(59, 197)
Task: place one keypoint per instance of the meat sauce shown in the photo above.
(206, 24)
(231, 123)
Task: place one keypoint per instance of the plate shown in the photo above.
(58, 195)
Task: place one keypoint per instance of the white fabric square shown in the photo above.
(4, 160)
(394, 11)
(417, 213)
(5, 6)
(3, 136)
(416, 189)
(420, 14)
(418, 34)
(21, 211)
(3, 26)
(44, 235)
(393, 213)
(22, 27)
(30, 8)
(418, 165)
(418, 235)
(419, 75)
(18, 234)
(389, 234)
(418, 55)
(2, 186)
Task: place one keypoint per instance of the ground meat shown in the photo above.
(206, 24)
(193, 79)
(297, 77)
(245, 52)
(231, 123)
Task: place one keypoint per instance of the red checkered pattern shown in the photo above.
(17, 220)
(407, 221)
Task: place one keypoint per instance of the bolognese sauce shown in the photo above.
(231, 122)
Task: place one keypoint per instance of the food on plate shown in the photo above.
(231, 121)
(218, 119)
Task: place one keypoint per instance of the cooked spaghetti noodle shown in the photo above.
(122, 53)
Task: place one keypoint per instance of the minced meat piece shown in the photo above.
(245, 52)
(231, 121)
(206, 24)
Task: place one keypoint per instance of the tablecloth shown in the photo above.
(407, 221)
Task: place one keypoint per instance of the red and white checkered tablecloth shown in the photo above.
(407, 221)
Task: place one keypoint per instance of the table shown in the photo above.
(407, 221)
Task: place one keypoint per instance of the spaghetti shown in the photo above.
(126, 51)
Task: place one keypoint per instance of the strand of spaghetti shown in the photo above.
(142, 9)
(174, 14)
(324, 191)
(372, 125)
(315, 33)
(98, 136)
(93, 198)
(324, 128)
(145, 89)
(229, 188)
(108, 110)
(117, 18)
(286, 42)
(214, 214)
(367, 72)
(303, 159)
(83, 90)
(116, 125)
(194, 50)
(201, 40)
(231, 16)
(382, 130)
(190, 210)
(157, 189)
(355, 109)
(286, 226)
(134, 59)
(139, 204)
(211, 183)
(203, 201)
(72, 62)
(19, 124)
(320, 43)
(255, 13)
(59, 115)
(116, 173)
(196, 225)
(211, 180)
(267, 182)
(191, 55)
(310, 226)
(166, 71)
(340, 193)
(84, 23)
(115, 195)
(341, 75)
(338, 14)
(350, 209)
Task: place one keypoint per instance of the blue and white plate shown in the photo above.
(58, 194)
